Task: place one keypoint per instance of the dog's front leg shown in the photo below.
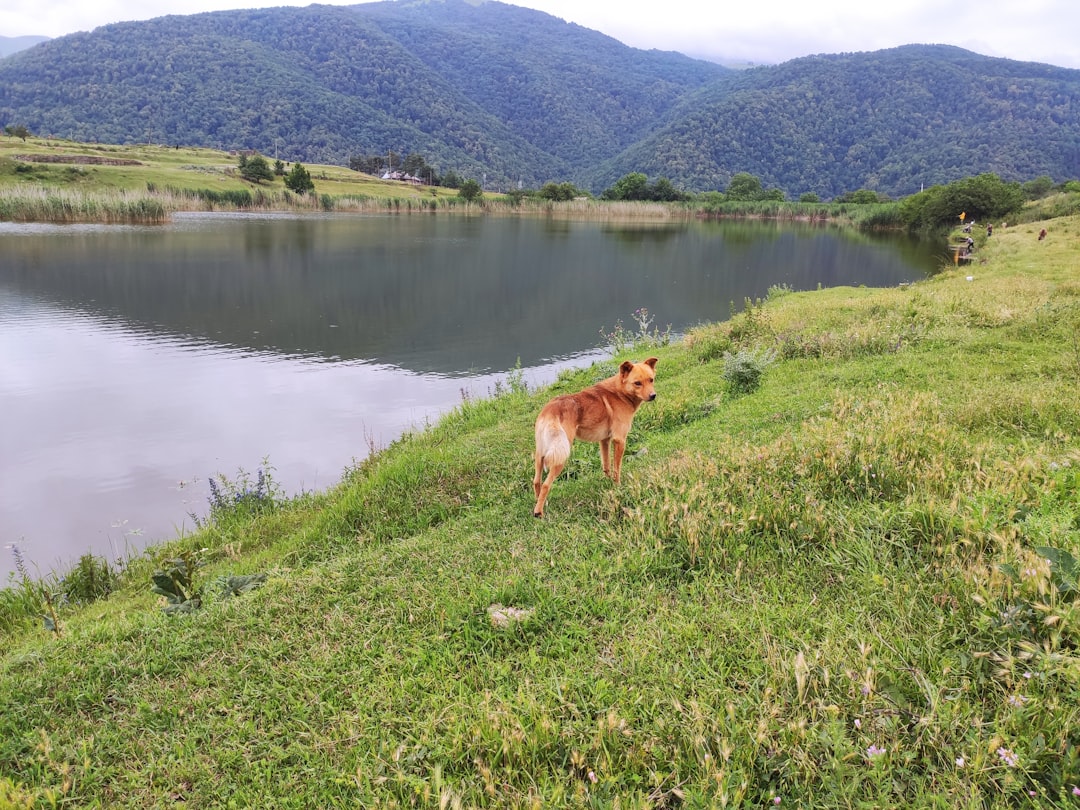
(618, 447)
(604, 457)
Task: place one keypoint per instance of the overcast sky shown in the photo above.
(769, 31)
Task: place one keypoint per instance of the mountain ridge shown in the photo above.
(519, 97)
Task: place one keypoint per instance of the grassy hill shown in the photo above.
(853, 586)
(53, 163)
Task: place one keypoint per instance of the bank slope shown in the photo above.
(850, 586)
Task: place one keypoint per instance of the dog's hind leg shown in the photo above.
(545, 488)
(538, 476)
(552, 451)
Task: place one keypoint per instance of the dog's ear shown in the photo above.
(625, 368)
(651, 362)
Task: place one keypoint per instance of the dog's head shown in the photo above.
(637, 379)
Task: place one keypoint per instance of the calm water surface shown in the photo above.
(137, 361)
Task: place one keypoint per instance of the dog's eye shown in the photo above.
(637, 383)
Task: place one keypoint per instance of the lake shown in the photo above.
(136, 362)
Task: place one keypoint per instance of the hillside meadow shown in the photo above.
(853, 586)
(57, 181)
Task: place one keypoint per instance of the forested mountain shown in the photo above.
(479, 89)
(512, 94)
(892, 121)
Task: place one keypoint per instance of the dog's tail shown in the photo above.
(552, 443)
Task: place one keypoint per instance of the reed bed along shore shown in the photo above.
(40, 204)
(157, 204)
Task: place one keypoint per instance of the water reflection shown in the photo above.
(134, 361)
(428, 294)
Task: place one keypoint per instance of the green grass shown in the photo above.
(48, 179)
(170, 179)
(834, 590)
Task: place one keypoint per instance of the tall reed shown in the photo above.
(39, 204)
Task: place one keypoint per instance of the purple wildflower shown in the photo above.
(1007, 756)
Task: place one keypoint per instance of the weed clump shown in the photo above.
(744, 369)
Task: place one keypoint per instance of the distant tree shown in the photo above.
(664, 191)
(368, 164)
(772, 195)
(809, 197)
(633, 186)
(279, 168)
(470, 191)
(744, 186)
(516, 195)
(984, 197)
(451, 179)
(863, 196)
(299, 179)
(18, 131)
(1039, 187)
(416, 165)
(255, 168)
(559, 192)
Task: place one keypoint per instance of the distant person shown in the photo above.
(970, 245)
(989, 228)
(1042, 234)
(967, 228)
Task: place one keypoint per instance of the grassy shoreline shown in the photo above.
(849, 588)
(49, 180)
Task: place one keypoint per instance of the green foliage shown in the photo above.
(299, 179)
(985, 197)
(368, 164)
(255, 168)
(1064, 570)
(470, 191)
(1039, 187)
(91, 578)
(636, 187)
(863, 196)
(17, 131)
(559, 192)
(451, 179)
(234, 198)
(633, 186)
(621, 340)
(744, 368)
(64, 205)
(744, 186)
(175, 580)
(241, 498)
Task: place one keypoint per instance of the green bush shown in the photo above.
(744, 369)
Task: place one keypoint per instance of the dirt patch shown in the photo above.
(503, 616)
(94, 160)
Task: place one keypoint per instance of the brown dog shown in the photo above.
(602, 413)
